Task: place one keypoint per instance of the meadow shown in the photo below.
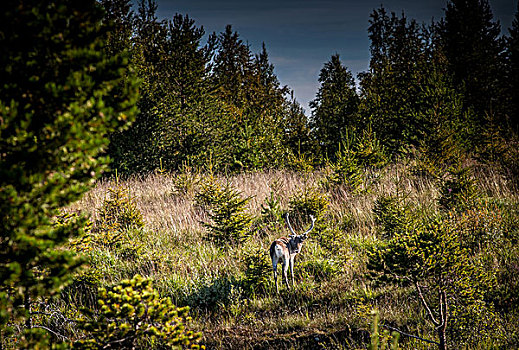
(228, 285)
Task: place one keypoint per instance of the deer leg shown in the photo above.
(275, 268)
(292, 270)
(285, 272)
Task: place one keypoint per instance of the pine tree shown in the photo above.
(473, 48)
(120, 13)
(233, 68)
(61, 94)
(334, 110)
(388, 90)
(172, 63)
(513, 73)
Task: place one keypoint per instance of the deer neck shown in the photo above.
(291, 250)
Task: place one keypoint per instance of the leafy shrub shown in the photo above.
(132, 314)
(227, 209)
(309, 201)
(119, 210)
(258, 270)
(211, 292)
(458, 190)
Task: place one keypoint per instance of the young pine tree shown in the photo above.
(61, 94)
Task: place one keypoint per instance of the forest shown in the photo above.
(146, 166)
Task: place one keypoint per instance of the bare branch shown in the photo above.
(444, 310)
(410, 335)
(426, 306)
(61, 336)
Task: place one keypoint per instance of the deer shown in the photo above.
(285, 249)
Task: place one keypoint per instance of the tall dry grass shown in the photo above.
(187, 266)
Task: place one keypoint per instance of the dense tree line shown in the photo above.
(438, 91)
(213, 103)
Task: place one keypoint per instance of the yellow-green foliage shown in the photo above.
(345, 171)
(382, 341)
(470, 252)
(118, 217)
(119, 210)
(309, 201)
(392, 215)
(227, 209)
(132, 314)
(258, 270)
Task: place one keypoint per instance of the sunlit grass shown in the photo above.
(333, 295)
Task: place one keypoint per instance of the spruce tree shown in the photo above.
(388, 90)
(473, 48)
(334, 110)
(61, 94)
(513, 73)
(233, 68)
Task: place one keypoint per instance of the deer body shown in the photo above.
(285, 249)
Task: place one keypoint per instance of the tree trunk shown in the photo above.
(441, 335)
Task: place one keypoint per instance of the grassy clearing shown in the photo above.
(332, 303)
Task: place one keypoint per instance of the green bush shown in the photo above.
(309, 201)
(186, 182)
(391, 215)
(119, 210)
(211, 292)
(458, 190)
(271, 213)
(227, 209)
(258, 271)
(345, 171)
(131, 314)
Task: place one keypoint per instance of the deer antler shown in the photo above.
(290, 226)
(311, 227)
(292, 230)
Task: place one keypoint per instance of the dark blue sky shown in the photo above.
(301, 35)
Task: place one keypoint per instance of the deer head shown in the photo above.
(296, 241)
